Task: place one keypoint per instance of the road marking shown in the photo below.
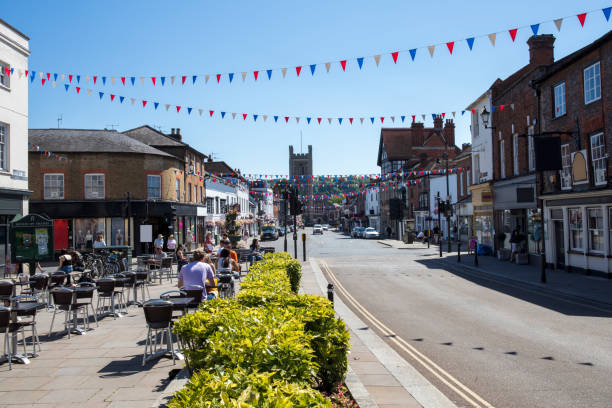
(462, 390)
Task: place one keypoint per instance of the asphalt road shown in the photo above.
(510, 346)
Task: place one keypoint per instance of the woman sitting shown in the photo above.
(181, 259)
(226, 264)
(255, 254)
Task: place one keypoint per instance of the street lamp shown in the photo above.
(485, 116)
(447, 214)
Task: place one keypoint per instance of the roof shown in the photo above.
(396, 143)
(152, 137)
(218, 167)
(14, 29)
(569, 59)
(89, 140)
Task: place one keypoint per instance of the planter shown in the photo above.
(522, 259)
(234, 239)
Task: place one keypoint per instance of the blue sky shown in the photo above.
(145, 38)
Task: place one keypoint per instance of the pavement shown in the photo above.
(102, 368)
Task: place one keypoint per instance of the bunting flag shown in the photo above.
(35, 148)
(342, 62)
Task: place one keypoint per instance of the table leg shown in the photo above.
(19, 358)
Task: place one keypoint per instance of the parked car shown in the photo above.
(370, 233)
(269, 232)
(362, 232)
(317, 229)
(325, 227)
(356, 232)
(281, 231)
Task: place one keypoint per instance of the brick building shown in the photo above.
(412, 149)
(575, 98)
(87, 193)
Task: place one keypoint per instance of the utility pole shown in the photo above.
(285, 209)
(440, 229)
(447, 207)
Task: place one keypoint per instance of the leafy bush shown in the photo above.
(240, 388)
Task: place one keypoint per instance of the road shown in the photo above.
(494, 344)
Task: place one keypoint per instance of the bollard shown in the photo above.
(459, 251)
(476, 256)
(330, 292)
(304, 245)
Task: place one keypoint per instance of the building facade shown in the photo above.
(300, 172)
(372, 208)
(14, 193)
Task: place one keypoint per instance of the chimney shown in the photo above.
(449, 132)
(438, 122)
(178, 134)
(417, 134)
(541, 49)
(172, 131)
(465, 146)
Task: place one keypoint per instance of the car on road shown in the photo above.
(325, 227)
(370, 233)
(281, 231)
(269, 233)
(362, 232)
(357, 232)
(317, 229)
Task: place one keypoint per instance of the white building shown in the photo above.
(14, 53)
(372, 208)
(437, 185)
(219, 197)
(264, 199)
(482, 141)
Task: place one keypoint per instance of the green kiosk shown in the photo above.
(31, 238)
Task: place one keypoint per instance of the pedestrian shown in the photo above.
(255, 254)
(208, 245)
(389, 231)
(99, 242)
(515, 240)
(158, 244)
(171, 243)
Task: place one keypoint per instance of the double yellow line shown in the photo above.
(451, 382)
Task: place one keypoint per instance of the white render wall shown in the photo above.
(267, 202)
(14, 50)
(482, 142)
(371, 203)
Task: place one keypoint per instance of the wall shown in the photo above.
(482, 147)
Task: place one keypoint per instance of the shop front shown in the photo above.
(482, 208)
(465, 220)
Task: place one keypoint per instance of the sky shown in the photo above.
(188, 37)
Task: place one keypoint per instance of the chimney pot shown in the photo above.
(541, 49)
(172, 131)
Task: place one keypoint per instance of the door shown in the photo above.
(559, 245)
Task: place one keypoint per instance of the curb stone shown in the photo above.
(176, 384)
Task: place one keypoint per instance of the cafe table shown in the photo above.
(22, 308)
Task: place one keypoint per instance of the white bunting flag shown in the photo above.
(113, 80)
(200, 111)
(53, 84)
(233, 115)
(431, 49)
(41, 75)
(20, 72)
(142, 80)
(327, 66)
(244, 76)
(329, 120)
(393, 119)
(167, 106)
(133, 100)
(377, 59)
(63, 77)
(265, 117)
(454, 114)
(89, 92)
(87, 79)
(206, 78)
(423, 116)
(512, 106)
(492, 38)
(558, 23)
(172, 78)
(284, 71)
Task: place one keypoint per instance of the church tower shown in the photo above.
(300, 164)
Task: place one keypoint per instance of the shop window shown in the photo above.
(575, 227)
(592, 83)
(598, 155)
(596, 241)
(53, 186)
(86, 230)
(94, 186)
(566, 172)
(559, 92)
(153, 187)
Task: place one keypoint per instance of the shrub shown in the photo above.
(240, 388)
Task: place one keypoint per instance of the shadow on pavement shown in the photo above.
(557, 302)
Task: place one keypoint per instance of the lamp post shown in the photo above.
(447, 206)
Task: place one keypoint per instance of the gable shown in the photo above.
(435, 140)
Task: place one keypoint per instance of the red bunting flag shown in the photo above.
(48, 73)
(581, 18)
(218, 78)
(153, 80)
(112, 97)
(351, 120)
(70, 78)
(413, 118)
(255, 74)
(501, 107)
(395, 55)
(343, 63)
(286, 119)
(513, 33)
(450, 46)
(211, 113)
(26, 73)
(473, 111)
(178, 108)
(43, 81)
(122, 80)
(382, 119)
(319, 120)
(443, 115)
(183, 78)
(244, 116)
(144, 103)
(78, 89)
(298, 70)
(96, 78)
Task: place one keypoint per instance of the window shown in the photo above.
(575, 226)
(515, 147)
(475, 125)
(177, 187)
(502, 159)
(223, 206)
(210, 206)
(153, 187)
(195, 193)
(217, 205)
(592, 83)
(460, 175)
(598, 155)
(54, 186)
(476, 168)
(5, 79)
(559, 92)
(596, 240)
(566, 172)
(94, 186)
(530, 149)
(189, 192)
(424, 201)
(4, 128)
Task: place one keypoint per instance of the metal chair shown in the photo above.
(120, 285)
(8, 328)
(166, 267)
(7, 290)
(107, 291)
(65, 300)
(158, 314)
(27, 323)
(142, 282)
(86, 299)
(38, 286)
(196, 292)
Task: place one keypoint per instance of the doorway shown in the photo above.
(559, 245)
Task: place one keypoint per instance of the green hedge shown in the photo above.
(285, 342)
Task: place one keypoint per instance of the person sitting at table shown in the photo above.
(208, 245)
(197, 273)
(181, 259)
(65, 264)
(255, 254)
(226, 263)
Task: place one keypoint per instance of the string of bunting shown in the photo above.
(340, 64)
(308, 120)
(283, 178)
(49, 153)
